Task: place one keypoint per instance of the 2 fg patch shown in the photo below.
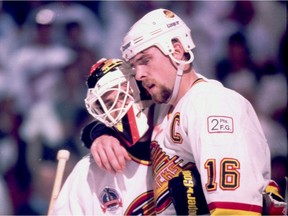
(220, 124)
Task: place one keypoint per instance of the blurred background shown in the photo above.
(48, 47)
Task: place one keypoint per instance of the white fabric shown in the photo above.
(81, 193)
(208, 126)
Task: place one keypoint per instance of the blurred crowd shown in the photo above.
(48, 47)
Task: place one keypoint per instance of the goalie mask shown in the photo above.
(113, 98)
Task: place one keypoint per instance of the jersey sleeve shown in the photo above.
(93, 130)
(230, 151)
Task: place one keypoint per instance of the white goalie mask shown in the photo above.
(113, 97)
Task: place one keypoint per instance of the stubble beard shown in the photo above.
(161, 96)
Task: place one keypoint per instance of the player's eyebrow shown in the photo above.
(143, 55)
(108, 100)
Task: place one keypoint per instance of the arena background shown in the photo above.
(47, 48)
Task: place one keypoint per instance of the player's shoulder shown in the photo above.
(212, 95)
(213, 90)
(86, 167)
(80, 172)
(84, 163)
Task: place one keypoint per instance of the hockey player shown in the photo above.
(113, 99)
(198, 123)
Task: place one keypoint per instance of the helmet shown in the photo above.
(156, 28)
(159, 28)
(113, 98)
(112, 90)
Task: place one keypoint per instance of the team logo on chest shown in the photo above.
(110, 199)
(164, 168)
(166, 163)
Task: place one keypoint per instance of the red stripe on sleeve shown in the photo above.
(235, 206)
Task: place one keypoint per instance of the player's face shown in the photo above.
(156, 73)
(115, 101)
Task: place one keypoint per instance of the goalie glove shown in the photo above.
(187, 194)
(273, 202)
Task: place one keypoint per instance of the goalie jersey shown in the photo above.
(217, 130)
(89, 190)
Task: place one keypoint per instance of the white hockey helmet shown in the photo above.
(157, 28)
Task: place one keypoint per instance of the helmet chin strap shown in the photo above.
(180, 70)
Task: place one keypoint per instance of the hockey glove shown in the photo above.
(187, 194)
(273, 202)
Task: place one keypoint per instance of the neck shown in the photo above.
(187, 81)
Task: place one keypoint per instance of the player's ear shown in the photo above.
(178, 50)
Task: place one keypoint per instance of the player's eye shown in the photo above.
(144, 61)
(98, 106)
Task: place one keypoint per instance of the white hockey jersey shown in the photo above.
(218, 130)
(89, 190)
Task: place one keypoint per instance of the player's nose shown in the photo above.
(140, 72)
